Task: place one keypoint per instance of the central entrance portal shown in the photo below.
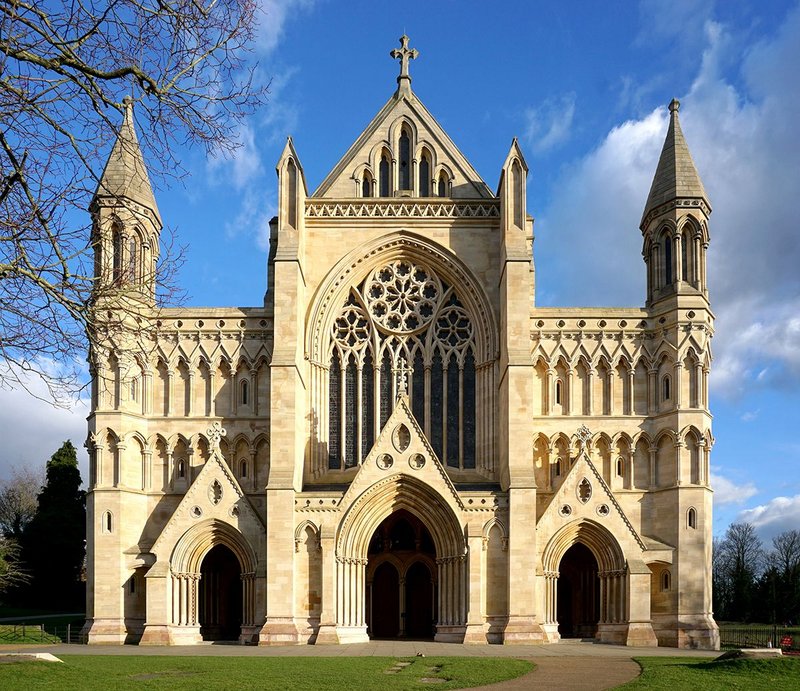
(578, 593)
(220, 596)
(401, 579)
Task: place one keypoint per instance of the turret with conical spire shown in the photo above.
(127, 223)
(675, 221)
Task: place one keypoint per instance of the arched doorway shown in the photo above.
(401, 591)
(220, 595)
(578, 593)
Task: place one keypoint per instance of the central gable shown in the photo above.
(428, 147)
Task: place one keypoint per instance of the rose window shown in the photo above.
(453, 327)
(402, 297)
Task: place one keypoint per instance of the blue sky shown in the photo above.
(584, 86)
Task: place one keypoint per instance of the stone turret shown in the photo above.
(675, 221)
(126, 221)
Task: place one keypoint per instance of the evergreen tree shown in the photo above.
(54, 542)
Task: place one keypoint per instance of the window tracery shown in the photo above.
(402, 317)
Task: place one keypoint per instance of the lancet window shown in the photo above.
(402, 330)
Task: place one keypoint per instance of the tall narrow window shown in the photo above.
(468, 410)
(366, 186)
(334, 399)
(351, 415)
(418, 389)
(116, 242)
(291, 171)
(436, 409)
(243, 468)
(134, 389)
(132, 260)
(107, 522)
(665, 389)
(386, 387)
(384, 175)
(620, 467)
(405, 161)
(559, 395)
(424, 176)
(367, 405)
(667, 260)
(453, 412)
(442, 185)
(244, 392)
(666, 580)
(691, 518)
(181, 469)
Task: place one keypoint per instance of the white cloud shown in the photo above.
(240, 165)
(253, 218)
(550, 124)
(274, 15)
(749, 415)
(774, 517)
(744, 142)
(34, 429)
(728, 492)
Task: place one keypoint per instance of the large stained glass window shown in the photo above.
(402, 321)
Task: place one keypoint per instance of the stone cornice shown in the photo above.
(392, 207)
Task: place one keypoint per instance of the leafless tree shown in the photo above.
(65, 68)
(18, 501)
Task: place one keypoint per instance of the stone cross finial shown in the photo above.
(584, 436)
(404, 54)
(215, 433)
(401, 373)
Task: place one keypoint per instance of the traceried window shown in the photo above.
(402, 326)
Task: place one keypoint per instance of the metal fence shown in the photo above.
(44, 633)
(754, 636)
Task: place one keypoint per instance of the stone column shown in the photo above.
(476, 628)
(678, 377)
(631, 391)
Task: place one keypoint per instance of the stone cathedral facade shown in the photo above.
(399, 442)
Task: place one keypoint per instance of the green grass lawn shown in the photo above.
(350, 674)
(674, 673)
(30, 634)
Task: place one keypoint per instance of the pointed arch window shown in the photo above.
(107, 523)
(666, 581)
(243, 468)
(244, 392)
(424, 175)
(691, 518)
(405, 160)
(366, 185)
(667, 241)
(181, 469)
(383, 174)
(442, 185)
(620, 467)
(134, 389)
(116, 254)
(132, 260)
(666, 385)
(402, 323)
(559, 392)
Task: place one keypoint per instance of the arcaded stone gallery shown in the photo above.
(399, 443)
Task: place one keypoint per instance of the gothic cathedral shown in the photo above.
(399, 443)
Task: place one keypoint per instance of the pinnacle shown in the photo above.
(125, 174)
(676, 176)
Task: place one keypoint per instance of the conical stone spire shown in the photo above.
(125, 174)
(676, 176)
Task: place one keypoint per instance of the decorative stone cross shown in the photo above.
(584, 437)
(404, 54)
(215, 433)
(401, 373)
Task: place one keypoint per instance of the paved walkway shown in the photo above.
(564, 666)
